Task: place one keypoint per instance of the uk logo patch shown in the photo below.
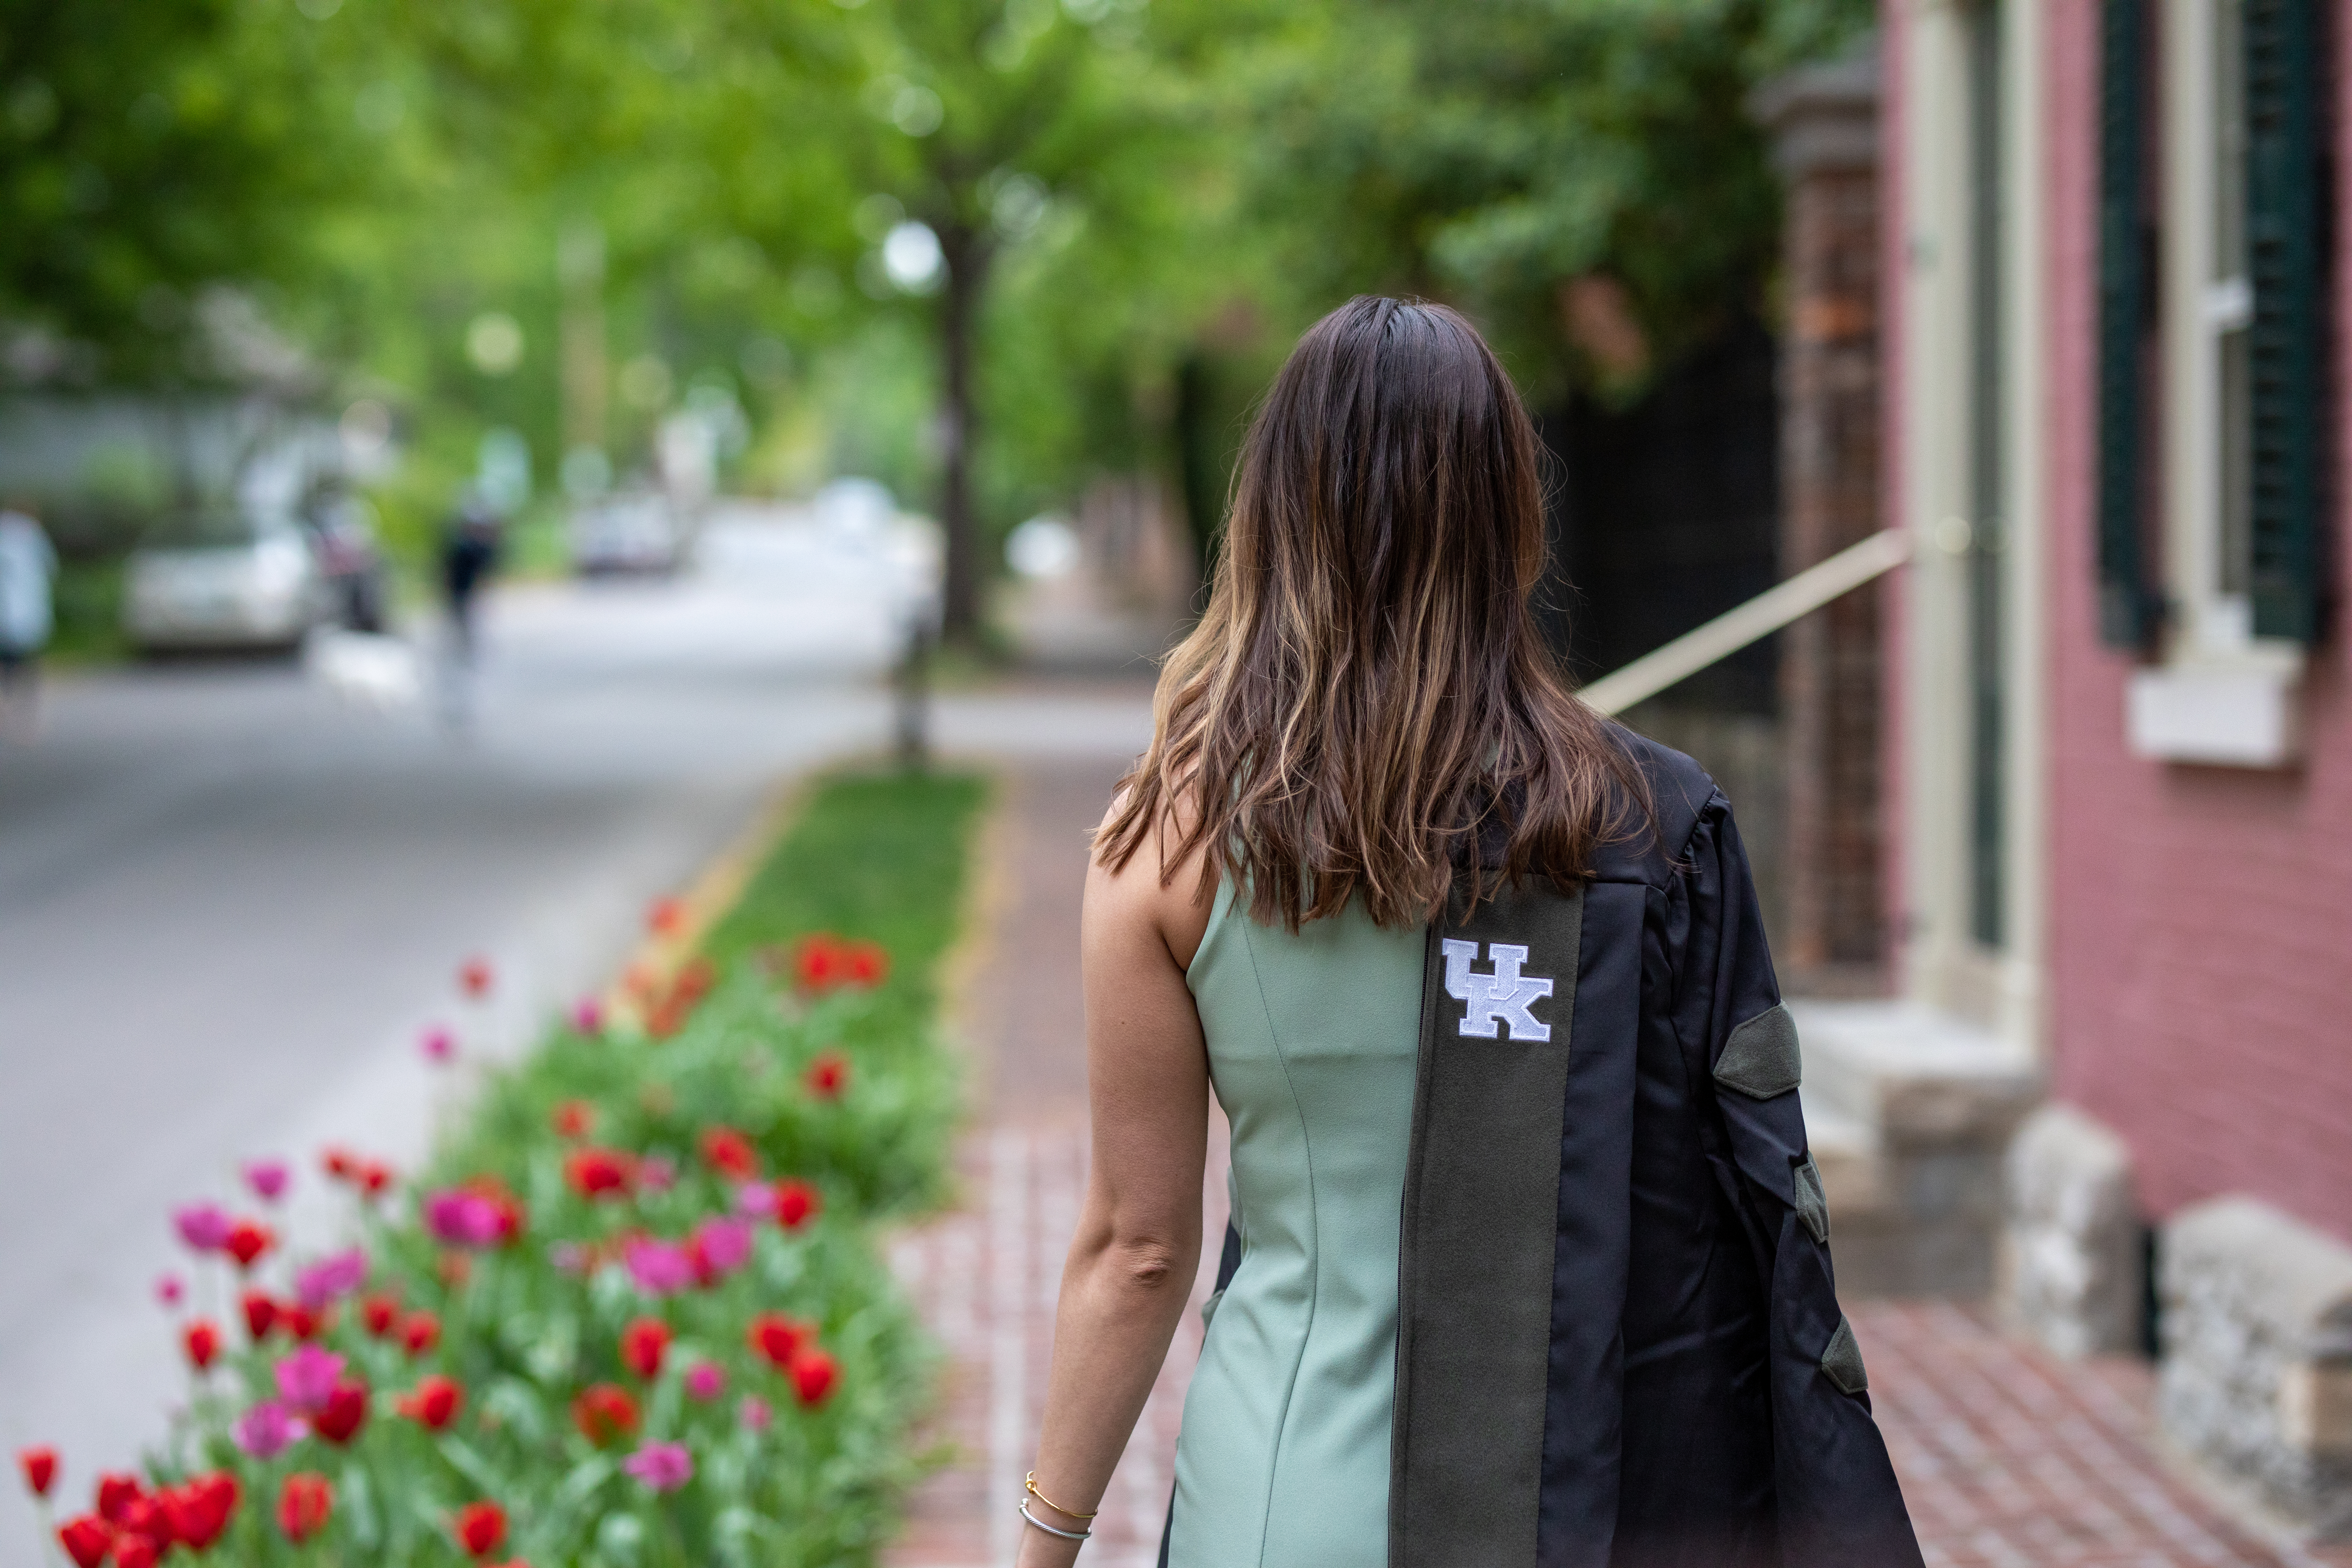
(1499, 1000)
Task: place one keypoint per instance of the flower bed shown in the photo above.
(631, 1313)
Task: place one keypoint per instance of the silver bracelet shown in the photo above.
(1038, 1523)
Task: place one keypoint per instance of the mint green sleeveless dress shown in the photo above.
(1284, 1458)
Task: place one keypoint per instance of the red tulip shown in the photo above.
(40, 1468)
(599, 1172)
(339, 1162)
(420, 1332)
(730, 1154)
(778, 1339)
(198, 1509)
(379, 1314)
(132, 1550)
(480, 1526)
(247, 1240)
(434, 1403)
(642, 1345)
(603, 1412)
(202, 1340)
(666, 1017)
(304, 1504)
(474, 976)
(574, 1119)
(828, 1075)
(694, 980)
(813, 1375)
(301, 1321)
(143, 1516)
(87, 1540)
(372, 1176)
(865, 964)
(667, 916)
(819, 963)
(796, 1203)
(260, 1313)
(116, 1493)
(346, 1410)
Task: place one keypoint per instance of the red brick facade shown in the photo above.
(2201, 935)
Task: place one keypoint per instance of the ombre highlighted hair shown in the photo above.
(1367, 709)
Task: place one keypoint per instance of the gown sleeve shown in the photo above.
(1837, 1500)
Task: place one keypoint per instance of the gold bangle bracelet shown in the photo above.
(1030, 1487)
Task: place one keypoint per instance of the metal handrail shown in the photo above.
(1760, 616)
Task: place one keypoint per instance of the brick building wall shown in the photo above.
(2200, 956)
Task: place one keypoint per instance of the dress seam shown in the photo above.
(1315, 1238)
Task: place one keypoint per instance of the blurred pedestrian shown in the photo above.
(469, 554)
(29, 569)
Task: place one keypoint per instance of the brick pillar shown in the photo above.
(1823, 123)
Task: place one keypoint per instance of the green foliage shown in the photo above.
(1138, 205)
(148, 151)
(527, 1325)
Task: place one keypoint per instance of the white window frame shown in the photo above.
(2000, 989)
(2219, 695)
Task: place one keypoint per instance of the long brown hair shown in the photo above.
(1368, 698)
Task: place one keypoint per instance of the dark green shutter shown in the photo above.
(2127, 609)
(2286, 345)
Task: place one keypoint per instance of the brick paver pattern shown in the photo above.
(2009, 1459)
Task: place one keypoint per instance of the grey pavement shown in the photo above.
(229, 906)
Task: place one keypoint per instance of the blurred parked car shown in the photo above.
(630, 531)
(343, 535)
(224, 578)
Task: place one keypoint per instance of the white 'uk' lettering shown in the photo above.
(1499, 1001)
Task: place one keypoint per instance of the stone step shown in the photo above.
(1908, 1113)
(1912, 1074)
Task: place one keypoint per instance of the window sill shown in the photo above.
(2236, 711)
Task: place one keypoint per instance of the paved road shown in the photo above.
(229, 904)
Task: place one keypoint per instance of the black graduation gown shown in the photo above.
(1619, 1343)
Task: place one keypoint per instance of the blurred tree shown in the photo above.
(150, 150)
(1582, 174)
(976, 123)
(1107, 217)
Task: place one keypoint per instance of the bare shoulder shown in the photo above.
(1148, 893)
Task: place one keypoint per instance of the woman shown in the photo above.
(1528, 1260)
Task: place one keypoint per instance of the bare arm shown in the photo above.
(1131, 1265)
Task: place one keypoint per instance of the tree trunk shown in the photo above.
(967, 260)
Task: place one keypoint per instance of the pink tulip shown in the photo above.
(203, 1226)
(463, 1218)
(658, 1267)
(755, 1200)
(663, 1467)
(588, 1016)
(438, 1044)
(705, 1381)
(168, 1290)
(754, 1413)
(331, 1277)
(306, 1378)
(267, 1179)
(264, 1430)
(725, 1243)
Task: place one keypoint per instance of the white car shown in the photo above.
(630, 531)
(224, 579)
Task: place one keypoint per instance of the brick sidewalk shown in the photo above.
(2009, 1459)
